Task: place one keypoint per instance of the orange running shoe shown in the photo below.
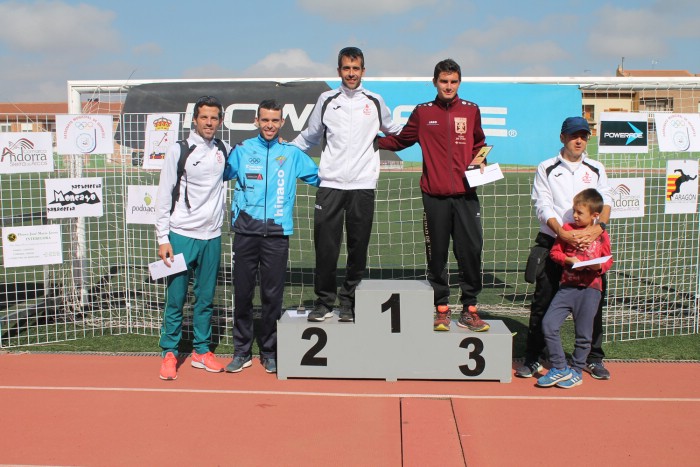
(168, 369)
(207, 361)
(442, 318)
(470, 319)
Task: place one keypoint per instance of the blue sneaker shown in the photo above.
(270, 365)
(554, 376)
(575, 380)
(238, 363)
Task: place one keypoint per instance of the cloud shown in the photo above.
(206, 71)
(51, 42)
(22, 81)
(289, 63)
(630, 33)
(392, 62)
(285, 63)
(533, 53)
(348, 11)
(51, 28)
(148, 49)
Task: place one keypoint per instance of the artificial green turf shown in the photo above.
(686, 347)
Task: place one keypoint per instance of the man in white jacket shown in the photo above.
(347, 121)
(190, 223)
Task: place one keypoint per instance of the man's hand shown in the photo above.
(165, 252)
(585, 237)
(570, 236)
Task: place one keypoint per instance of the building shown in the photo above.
(639, 97)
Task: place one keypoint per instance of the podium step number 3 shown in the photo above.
(392, 338)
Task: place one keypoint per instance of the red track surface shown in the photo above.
(104, 410)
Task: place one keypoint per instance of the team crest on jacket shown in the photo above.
(281, 160)
(368, 110)
(460, 125)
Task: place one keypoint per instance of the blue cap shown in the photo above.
(575, 124)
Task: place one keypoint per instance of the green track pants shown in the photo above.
(203, 258)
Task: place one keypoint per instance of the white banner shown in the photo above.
(677, 132)
(141, 204)
(31, 245)
(84, 134)
(73, 197)
(682, 187)
(161, 132)
(628, 197)
(26, 152)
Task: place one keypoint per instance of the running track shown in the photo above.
(93, 410)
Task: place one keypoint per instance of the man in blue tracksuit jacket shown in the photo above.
(263, 202)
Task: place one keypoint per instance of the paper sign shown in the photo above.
(623, 132)
(491, 174)
(73, 197)
(26, 152)
(161, 132)
(141, 204)
(627, 197)
(677, 132)
(681, 186)
(31, 245)
(590, 262)
(158, 269)
(84, 134)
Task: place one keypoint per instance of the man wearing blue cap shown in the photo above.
(557, 181)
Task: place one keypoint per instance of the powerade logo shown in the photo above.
(623, 133)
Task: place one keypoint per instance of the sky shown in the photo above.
(43, 44)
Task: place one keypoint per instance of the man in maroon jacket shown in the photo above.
(449, 132)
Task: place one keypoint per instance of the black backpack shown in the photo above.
(184, 154)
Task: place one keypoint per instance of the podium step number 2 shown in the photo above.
(392, 338)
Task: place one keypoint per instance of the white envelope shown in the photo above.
(492, 172)
(159, 269)
(590, 262)
(296, 314)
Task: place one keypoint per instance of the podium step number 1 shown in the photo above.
(392, 338)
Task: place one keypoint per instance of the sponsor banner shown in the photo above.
(522, 121)
(627, 197)
(73, 197)
(681, 187)
(161, 131)
(677, 132)
(84, 134)
(35, 245)
(623, 132)
(141, 204)
(26, 152)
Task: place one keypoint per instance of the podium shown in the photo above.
(392, 338)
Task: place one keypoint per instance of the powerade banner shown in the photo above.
(623, 132)
(521, 121)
